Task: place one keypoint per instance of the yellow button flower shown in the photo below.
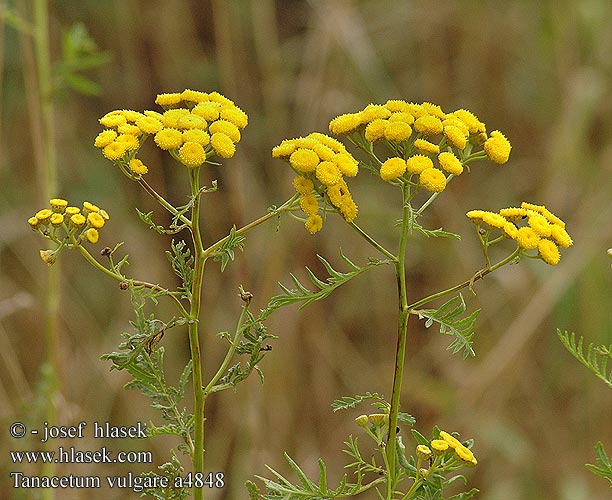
(452, 441)
(129, 141)
(113, 119)
(324, 152)
(137, 167)
(95, 220)
(33, 221)
(78, 220)
(426, 147)
(149, 124)
(223, 145)
(169, 99)
(227, 128)
(465, 455)
(114, 151)
(375, 130)
(328, 173)
(92, 235)
(549, 252)
(417, 163)
(304, 160)
(235, 115)
(58, 205)
(196, 135)
(392, 168)
(428, 125)
(56, 219)
(345, 124)
(439, 445)
(191, 121)
(208, 110)
(192, 154)
(90, 207)
(450, 163)
(314, 223)
(397, 131)
(348, 208)
(284, 149)
(497, 147)
(303, 185)
(561, 236)
(433, 180)
(309, 204)
(169, 138)
(455, 137)
(347, 164)
(44, 214)
(104, 138)
(527, 238)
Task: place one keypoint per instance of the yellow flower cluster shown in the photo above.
(321, 163)
(193, 126)
(542, 230)
(448, 443)
(68, 225)
(421, 134)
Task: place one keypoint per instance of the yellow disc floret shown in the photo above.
(450, 163)
(433, 180)
(497, 147)
(223, 145)
(304, 160)
(192, 154)
(392, 168)
(549, 252)
(169, 138)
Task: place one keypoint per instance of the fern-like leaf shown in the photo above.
(604, 464)
(449, 317)
(596, 358)
(304, 296)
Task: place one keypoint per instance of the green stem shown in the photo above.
(400, 353)
(468, 283)
(210, 387)
(288, 205)
(129, 281)
(374, 243)
(163, 202)
(194, 337)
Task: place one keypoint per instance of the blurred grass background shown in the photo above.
(539, 71)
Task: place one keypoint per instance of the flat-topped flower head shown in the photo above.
(531, 226)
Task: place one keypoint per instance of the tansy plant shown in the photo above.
(416, 148)
(198, 130)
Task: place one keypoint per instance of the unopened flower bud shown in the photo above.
(362, 421)
(378, 419)
(48, 257)
(423, 451)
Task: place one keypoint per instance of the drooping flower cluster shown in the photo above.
(193, 127)
(67, 225)
(541, 229)
(426, 142)
(321, 163)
